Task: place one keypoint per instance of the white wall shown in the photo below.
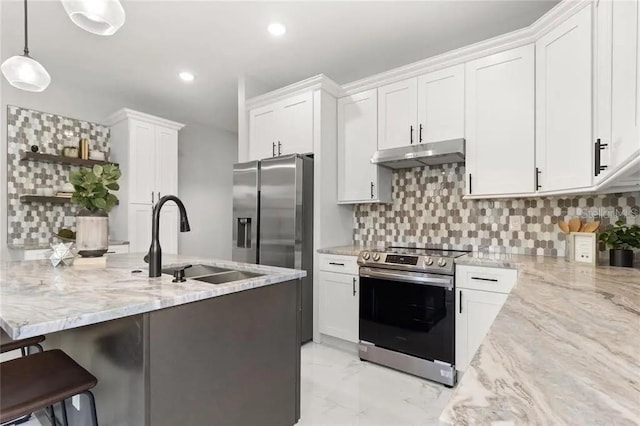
(206, 158)
(203, 151)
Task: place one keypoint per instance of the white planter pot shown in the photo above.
(92, 233)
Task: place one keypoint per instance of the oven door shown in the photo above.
(408, 312)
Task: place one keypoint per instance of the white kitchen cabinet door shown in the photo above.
(139, 227)
(142, 172)
(359, 180)
(475, 312)
(166, 161)
(625, 79)
(263, 127)
(500, 123)
(602, 83)
(441, 105)
(563, 105)
(398, 114)
(169, 228)
(295, 129)
(338, 316)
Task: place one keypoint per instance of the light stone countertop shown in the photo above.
(36, 298)
(564, 349)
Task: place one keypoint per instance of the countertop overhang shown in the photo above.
(36, 298)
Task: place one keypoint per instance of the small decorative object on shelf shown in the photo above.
(34, 148)
(621, 239)
(92, 187)
(62, 254)
(70, 151)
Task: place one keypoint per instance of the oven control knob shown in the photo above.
(366, 255)
(442, 262)
(428, 261)
(376, 257)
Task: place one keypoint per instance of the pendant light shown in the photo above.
(24, 72)
(102, 17)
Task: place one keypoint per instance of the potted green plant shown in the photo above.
(92, 186)
(621, 239)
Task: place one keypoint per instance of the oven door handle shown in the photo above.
(408, 277)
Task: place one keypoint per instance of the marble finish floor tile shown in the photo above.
(339, 389)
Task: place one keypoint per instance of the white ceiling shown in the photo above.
(220, 41)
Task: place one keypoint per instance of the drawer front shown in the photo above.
(118, 249)
(340, 264)
(497, 280)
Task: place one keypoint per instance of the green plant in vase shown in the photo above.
(621, 239)
(92, 192)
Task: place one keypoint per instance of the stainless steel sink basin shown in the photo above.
(227, 277)
(197, 270)
(212, 274)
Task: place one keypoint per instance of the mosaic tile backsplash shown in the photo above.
(35, 223)
(428, 210)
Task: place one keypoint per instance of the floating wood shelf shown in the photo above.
(45, 199)
(60, 159)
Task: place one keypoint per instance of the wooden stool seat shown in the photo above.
(38, 381)
(7, 344)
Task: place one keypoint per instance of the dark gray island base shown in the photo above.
(228, 360)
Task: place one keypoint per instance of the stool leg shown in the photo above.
(65, 419)
(23, 351)
(94, 415)
(39, 346)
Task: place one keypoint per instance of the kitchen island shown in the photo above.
(167, 353)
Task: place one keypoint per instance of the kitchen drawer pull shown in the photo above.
(372, 186)
(354, 286)
(273, 149)
(336, 263)
(420, 134)
(411, 134)
(460, 303)
(279, 146)
(493, 280)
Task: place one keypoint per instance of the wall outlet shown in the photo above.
(515, 223)
(75, 400)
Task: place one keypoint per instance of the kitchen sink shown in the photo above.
(212, 274)
(227, 277)
(197, 270)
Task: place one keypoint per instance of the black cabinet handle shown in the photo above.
(538, 186)
(460, 304)
(372, 186)
(597, 157)
(411, 134)
(273, 149)
(420, 133)
(493, 280)
(470, 188)
(279, 146)
(354, 286)
(336, 263)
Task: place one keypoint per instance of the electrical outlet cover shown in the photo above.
(515, 223)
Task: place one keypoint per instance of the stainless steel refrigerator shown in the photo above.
(273, 220)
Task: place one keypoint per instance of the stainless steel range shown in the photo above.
(407, 310)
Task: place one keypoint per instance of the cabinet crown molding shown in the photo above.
(517, 38)
(318, 82)
(127, 113)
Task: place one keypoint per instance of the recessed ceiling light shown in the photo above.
(187, 76)
(277, 29)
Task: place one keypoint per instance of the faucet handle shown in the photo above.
(178, 274)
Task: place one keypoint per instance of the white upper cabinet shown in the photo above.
(282, 128)
(500, 128)
(166, 164)
(359, 181)
(397, 114)
(563, 105)
(143, 147)
(262, 134)
(441, 105)
(296, 125)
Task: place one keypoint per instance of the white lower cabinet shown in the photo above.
(339, 302)
(480, 294)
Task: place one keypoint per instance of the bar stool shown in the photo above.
(8, 345)
(41, 380)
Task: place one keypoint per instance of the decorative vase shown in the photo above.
(92, 233)
(621, 257)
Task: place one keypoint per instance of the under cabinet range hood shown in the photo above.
(421, 154)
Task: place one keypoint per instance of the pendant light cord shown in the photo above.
(26, 40)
